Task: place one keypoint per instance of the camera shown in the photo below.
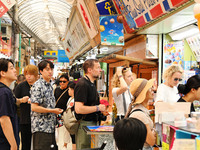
(101, 117)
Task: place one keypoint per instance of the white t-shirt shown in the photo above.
(167, 94)
(119, 101)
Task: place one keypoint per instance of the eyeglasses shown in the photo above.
(63, 81)
(177, 79)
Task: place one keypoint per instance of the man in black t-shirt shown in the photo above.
(22, 90)
(87, 106)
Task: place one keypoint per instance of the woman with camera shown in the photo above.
(121, 94)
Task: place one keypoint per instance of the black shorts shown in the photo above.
(44, 141)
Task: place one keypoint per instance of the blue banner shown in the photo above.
(106, 7)
(62, 57)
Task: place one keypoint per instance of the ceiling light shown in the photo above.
(184, 32)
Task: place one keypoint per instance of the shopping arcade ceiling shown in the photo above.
(45, 20)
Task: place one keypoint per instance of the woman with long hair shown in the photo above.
(120, 90)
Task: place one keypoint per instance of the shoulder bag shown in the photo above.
(70, 121)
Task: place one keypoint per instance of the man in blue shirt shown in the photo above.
(9, 137)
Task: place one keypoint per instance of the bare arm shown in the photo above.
(80, 108)
(123, 85)
(8, 131)
(35, 107)
(22, 100)
(151, 136)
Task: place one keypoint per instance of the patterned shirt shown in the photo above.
(42, 93)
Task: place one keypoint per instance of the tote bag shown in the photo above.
(70, 121)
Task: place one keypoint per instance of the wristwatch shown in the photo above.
(97, 106)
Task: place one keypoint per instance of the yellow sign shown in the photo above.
(50, 53)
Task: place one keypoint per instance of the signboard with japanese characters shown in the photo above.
(5, 5)
(138, 13)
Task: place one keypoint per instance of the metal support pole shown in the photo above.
(20, 47)
(29, 42)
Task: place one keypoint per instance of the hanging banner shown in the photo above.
(75, 36)
(106, 7)
(62, 57)
(5, 47)
(86, 18)
(111, 28)
(5, 5)
(138, 13)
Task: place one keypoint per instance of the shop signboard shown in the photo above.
(173, 54)
(138, 13)
(106, 7)
(75, 37)
(128, 21)
(111, 28)
(5, 5)
(50, 53)
(62, 57)
(86, 17)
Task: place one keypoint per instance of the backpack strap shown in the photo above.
(134, 111)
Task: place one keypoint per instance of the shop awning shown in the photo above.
(115, 58)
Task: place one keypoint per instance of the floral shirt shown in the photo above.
(42, 94)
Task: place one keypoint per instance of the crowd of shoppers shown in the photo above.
(41, 106)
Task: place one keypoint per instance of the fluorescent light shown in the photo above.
(184, 32)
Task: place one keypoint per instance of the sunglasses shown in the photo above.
(63, 81)
(177, 79)
(124, 69)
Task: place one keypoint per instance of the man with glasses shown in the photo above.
(62, 96)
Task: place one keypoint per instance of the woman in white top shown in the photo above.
(167, 91)
(121, 94)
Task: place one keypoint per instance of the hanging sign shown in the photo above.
(5, 5)
(62, 57)
(5, 47)
(75, 36)
(50, 53)
(138, 13)
(106, 7)
(111, 28)
(86, 18)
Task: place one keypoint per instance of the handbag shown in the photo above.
(70, 121)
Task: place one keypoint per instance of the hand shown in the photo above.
(58, 111)
(24, 99)
(154, 132)
(119, 71)
(102, 107)
(13, 147)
